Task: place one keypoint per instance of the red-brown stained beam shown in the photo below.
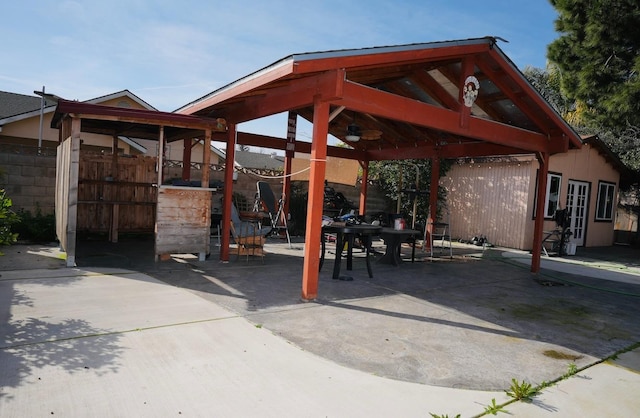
(539, 101)
(387, 105)
(239, 87)
(294, 95)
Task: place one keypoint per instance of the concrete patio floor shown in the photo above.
(443, 336)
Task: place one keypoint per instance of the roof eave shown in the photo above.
(270, 73)
(574, 137)
(289, 65)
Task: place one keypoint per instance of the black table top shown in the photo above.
(353, 229)
(400, 231)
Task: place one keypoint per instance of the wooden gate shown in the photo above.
(116, 194)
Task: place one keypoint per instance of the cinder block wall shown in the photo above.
(30, 181)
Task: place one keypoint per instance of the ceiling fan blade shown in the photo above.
(371, 134)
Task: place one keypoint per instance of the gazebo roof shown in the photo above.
(136, 123)
(406, 100)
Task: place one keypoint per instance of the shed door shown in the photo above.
(577, 205)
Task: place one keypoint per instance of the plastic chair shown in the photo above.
(277, 217)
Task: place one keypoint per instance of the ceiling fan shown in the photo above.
(355, 134)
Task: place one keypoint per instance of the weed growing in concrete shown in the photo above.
(571, 370)
(442, 416)
(494, 408)
(521, 391)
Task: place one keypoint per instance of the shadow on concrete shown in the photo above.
(28, 345)
(475, 321)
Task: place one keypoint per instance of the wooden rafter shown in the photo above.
(390, 106)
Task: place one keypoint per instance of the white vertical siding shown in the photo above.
(490, 199)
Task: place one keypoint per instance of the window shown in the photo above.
(553, 195)
(606, 194)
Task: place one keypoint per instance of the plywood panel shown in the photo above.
(183, 220)
(62, 191)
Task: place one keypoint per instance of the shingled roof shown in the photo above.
(247, 159)
(12, 104)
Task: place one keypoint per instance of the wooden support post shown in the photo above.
(206, 159)
(204, 182)
(72, 205)
(114, 145)
(228, 191)
(159, 165)
(433, 200)
(538, 225)
(160, 156)
(315, 203)
(115, 215)
(186, 159)
(115, 209)
(292, 126)
(364, 187)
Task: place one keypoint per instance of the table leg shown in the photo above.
(398, 253)
(338, 260)
(366, 241)
(350, 241)
(413, 249)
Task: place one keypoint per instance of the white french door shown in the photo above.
(577, 199)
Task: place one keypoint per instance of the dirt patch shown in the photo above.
(559, 355)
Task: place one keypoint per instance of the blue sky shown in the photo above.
(170, 53)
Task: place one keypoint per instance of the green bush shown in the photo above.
(8, 218)
(38, 228)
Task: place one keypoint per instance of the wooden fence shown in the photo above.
(116, 194)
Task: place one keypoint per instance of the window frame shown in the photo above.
(605, 214)
(547, 201)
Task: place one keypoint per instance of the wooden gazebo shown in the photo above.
(433, 100)
(180, 216)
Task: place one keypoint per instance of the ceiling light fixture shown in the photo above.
(353, 131)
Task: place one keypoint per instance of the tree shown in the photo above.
(395, 176)
(598, 54)
(624, 141)
(547, 82)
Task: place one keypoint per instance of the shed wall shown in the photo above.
(489, 199)
(497, 199)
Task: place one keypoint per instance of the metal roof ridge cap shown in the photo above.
(307, 56)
